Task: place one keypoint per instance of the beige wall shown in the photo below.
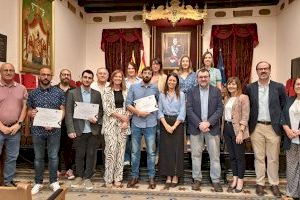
(288, 38)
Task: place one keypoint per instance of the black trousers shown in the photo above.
(65, 151)
(86, 147)
(236, 151)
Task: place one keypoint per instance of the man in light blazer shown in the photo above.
(267, 99)
(204, 110)
(84, 132)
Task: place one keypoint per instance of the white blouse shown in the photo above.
(294, 113)
(228, 109)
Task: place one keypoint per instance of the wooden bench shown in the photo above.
(23, 192)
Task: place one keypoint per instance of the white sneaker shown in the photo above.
(77, 182)
(126, 163)
(36, 188)
(55, 186)
(88, 184)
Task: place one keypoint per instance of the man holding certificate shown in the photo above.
(142, 102)
(84, 119)
(46, 107)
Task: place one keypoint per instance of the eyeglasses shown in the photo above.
(65, 74)
(44, 75)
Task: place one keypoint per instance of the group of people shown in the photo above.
(188, 103)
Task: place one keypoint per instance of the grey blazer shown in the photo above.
(215, 110)
(77, 125)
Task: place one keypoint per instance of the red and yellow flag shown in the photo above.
(142, 64)
(132, 57)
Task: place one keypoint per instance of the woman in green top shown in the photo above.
(215, 74)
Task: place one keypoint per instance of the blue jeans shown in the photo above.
(39, 145)
(136, 136)
(12, 146)
(213, 148)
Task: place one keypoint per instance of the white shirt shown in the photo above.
(294, 113)
(263, 103)
(228, 109)
(96, 86)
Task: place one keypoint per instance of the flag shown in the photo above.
(221, 67)
(142, 64)
(132, 57)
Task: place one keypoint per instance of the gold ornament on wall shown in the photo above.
(174, 12)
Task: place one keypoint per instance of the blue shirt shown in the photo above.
(171, 105)
(187, 83)
(86, 98)
(204, 92)
(138, 91)
(52, 97)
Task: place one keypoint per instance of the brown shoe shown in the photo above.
(132, 182)
(152, 184)
(275, 190)
(196, 185)
(217, 187)
(260, 190)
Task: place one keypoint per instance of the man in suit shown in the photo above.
(267, 99)
(84, 132)
(204, 110)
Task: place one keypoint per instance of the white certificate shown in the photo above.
(85, 110)
(147, 104)
(46, 117)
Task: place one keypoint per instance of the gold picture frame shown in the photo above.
(37, 30)
(173, 46)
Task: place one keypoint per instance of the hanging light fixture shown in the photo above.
(173, 12)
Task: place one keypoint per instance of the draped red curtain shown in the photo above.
(118, 45)
(236, 42)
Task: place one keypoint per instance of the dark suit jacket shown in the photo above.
(285, 120)
(193, 110)
(77, 125)
(277, 99)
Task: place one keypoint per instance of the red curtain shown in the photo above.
(236, 42)
(118, 45)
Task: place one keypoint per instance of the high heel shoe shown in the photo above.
(238, 190)
(230, 189)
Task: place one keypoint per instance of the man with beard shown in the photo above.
(13, 97)
(142, 123)
(267, 99)
(84, 132)
(51, 97)
(65, 150)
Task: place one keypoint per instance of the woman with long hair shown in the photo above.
(187, 76)
(236, 116)
(215, 74)
(290, 120)
(158, 77)
(172, 111)
(115, 128)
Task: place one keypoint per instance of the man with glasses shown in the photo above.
(13, 97)
(51, 97)
(267, 99)
(142, 123)
(204, 124)
(65, 150)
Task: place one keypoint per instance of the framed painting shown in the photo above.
(173, 46)
(36, 36)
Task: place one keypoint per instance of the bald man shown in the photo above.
(13, 97)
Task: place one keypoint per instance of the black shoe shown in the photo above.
(10, 184)
(196, 185)
(132, 182)
(152, 184)
(230, 189)
(217, 187)
(238, 190)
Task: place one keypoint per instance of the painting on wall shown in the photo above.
(37, 35)
(173, 46)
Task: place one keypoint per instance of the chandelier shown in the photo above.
(174, 12)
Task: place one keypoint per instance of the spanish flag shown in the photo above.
(132, 57)
(142, 64)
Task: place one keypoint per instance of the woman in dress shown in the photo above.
(291, 144)
(115, 128)
(131, 78)
(215, 74)
(171, 113)
(158, 78)
(236, 116)
(187, 77)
